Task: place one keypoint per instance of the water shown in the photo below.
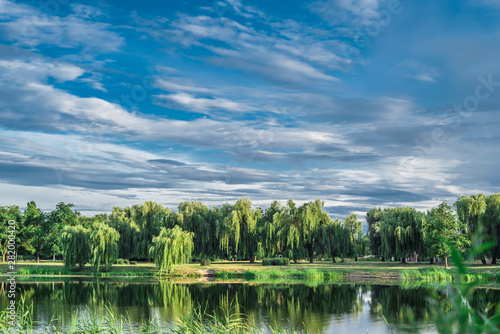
(332, 308)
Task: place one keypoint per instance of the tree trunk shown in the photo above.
(311, 260)
(38, 255)
(403, 260)
(333, 258)
(54, 258)
(483, 260)
(382, 258)
(356, 258)
(493, 260)
(252, 258)
(294, 260)
(432, 260)
(446, 262)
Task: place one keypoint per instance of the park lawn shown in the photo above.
(349, 269)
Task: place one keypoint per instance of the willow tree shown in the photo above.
(290, 233)
(402, 232)
(228, 230)
(491, 223)
(269, 244)
(173, 246)
(374, 219)
(356, 233)
(103, 246)
(338, 242)
(470, 211)
(247, 219)
(120, 220)
(76, 249)
(149, 217)
(442, 230)
(198, 219)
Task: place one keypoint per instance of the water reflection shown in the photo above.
(334, 308)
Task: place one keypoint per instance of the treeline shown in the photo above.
(239, 231)
(472, 221)
(232, 231)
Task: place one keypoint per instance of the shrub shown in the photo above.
(126, 261)
(120, 261)
(277, 261)
(133, 263)
(205, 262)
(20, 258)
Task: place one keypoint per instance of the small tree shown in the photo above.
(172, 246)
(441, 230)
(76, 250)
(103, 245)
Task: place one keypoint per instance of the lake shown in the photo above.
(333, 308)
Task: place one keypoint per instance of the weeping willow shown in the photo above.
(172, 246)
(103, 246)
(75, 242)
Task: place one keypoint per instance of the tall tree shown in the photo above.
(172, 246)
(62, 216)
(442, 230)
(103, 246)
(356, 234)
(149, 218)
(269, 226)
(120, 220)
(8, 213)
(76, 249)
(338, 239)
(491, 223)
(374, 219)
(34, 223)
(470, 210)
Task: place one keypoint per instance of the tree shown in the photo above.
(443, 230)
(268, 230)
(62, 216)
(34, 224)
(76, 250)
(103, 246)
(491, 221)
(338, 241)
(374, 219)
(120, 220)
(356, 233)
(172, 246)
(8, 213)
(470, 211)
(149, 218)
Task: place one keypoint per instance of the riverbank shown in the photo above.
(234, 269)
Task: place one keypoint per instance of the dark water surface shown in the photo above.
(330, 308)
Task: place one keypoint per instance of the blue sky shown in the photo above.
(360, 103)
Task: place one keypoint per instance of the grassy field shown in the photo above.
(302, 269)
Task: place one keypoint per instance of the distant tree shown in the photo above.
(103, 246)
(76, 249)
(338, 242)
(491, 223)
(171, 247)
(356, 234)
(269, 244)
(470, 211)
(442, 230)
(149, 217)
(34, 228)
(8, 213)
(374, 219)
(62, 216)
(120, 220)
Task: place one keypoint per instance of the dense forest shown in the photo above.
(239, 231)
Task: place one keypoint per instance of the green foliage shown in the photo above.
(133, 263)
(76, 249)
(120, 261)
(103, 246)
(278, 261)
(172, 246)
(442, 230)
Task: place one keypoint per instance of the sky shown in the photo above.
(359, 103)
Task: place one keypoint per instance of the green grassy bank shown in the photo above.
(302, 269)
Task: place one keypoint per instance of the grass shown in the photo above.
(244, 269)
(86, 321)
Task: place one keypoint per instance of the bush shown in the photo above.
(120, 261)
(133, 263)
(277, 261)
(20, 258)
(205, 262)
(126, 261)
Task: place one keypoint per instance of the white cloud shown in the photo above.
(204, 105)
